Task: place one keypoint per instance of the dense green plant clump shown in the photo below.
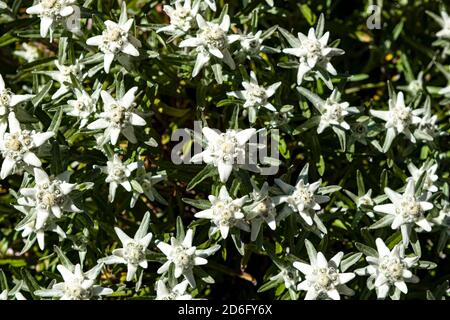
(126, 138)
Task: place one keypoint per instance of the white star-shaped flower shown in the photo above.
(399, 119)
(444, 33)
(430, 175)
(183, 256)
(177, 292)
(17, 147)
(255, 96)
(51, 12)
(118, 117)
(226, 151)
(118, 174)
(29, 52)
(8, 100)
(302, 197)
(84, 105)
(182, 16)
(313, 53)
(77, 285)
(50, 196)
(406, 209)
(323, 279)
(116, 39)
(261, 210)
(63, 76)
(29, 229)
(389, 269)
(225, 213)
(211, 40)
(333, 113)
(133, 251)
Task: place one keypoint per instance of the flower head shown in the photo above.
(51, 12)
(116, 39)
(17, 147)
(334, 112)
(133, 251)
(8, 100)
(50, 196)
(177, 292)
(118, 117)
(399, 119)
(388, 269)
(182, 16)
(261, 210)
(183, 256)
(255, 96)
(225, 213)
(323, 280)
(226, 151)
(77, 285)
(302, 197)
(84, 105)
(118, 173)
(406, 209)
(314, 54)
(211, 40)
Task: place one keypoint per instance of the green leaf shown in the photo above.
(56, 121)
(368, 251)
(206, 172)
(383, 222)
(199, 204)
(41, 95)
(350, 261)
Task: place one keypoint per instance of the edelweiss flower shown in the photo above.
(445, 24)
(184, 257)
(8, 100)
(212, 39)
(29, 53)
(399, 119)
(302, 197)
(255, 96)
(64, 78)
(14, 293)
(83, 106)
(430, 175)
(182, 17)
(77, 285)
(118, 173)
(226, 151)
(225, 213)
(251, 43)
(148, 181)
(118, 117)
(211, 4)
(333, 113)
(49, 196)
(116, 39)
(17, 145)
(261, 210)
(406, 210)
(323, 279)
(133, 251)
(177, 292)
(428, 129)
(51, 12)
(388, 269)
(290, 277)
(314, 53)
(28, 227)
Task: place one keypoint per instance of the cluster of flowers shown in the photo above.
(45, 198)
